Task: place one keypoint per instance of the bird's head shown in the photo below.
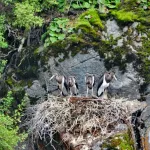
(110, 76)
(55, 74)
(71, 80)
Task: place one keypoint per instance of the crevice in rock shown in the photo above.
(136, 125)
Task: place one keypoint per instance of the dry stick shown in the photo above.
(57, 114)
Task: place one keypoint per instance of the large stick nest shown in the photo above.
(61, 116)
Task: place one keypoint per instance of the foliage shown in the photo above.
(6, 1)
(3, 43)
(6, 103)
(102, 5)
(25, 15)
(145, 4)
(8, 134)
(2, 66)
(47, 4)
(107, 3)
(57, 30)
(18, 113)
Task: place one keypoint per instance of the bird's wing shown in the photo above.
(77, 85)
(66, 86)
(99, 86)
(100, 83)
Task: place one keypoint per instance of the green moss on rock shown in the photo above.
(85, 26)
(121, 141)
(93, 18)
(89, 22)
(124, 16)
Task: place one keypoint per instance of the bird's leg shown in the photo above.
(92, 92)
(105, 94)
(70, 93)
(59, 90)
(87, 91)
(61, 93)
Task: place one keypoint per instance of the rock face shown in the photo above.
(113, 29)
(127, 85)
(36, 91)
(145, 118)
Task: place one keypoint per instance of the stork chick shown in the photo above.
(105, 82)
(90, 82)
(61, 82)
(73, 86)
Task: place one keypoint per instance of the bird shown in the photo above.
(72, 85)
(90, 82)
(105, 82)
(61, 82)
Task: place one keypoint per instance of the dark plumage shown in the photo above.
(104, 82)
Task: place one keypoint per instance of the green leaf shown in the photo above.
(86, 5)
(53, 34)
(70, 30)
(144, 1)
(61, 36)
(58, 30)
(117, 1)
(53, 28)
(53, 39)
(111, 6)
(76, 6)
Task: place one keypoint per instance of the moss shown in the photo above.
(85, 26)
(122, 141)
(75, 38)
(130, 11)
(93, 18)
(143, 55)
(141, 28)
(125, 16)
(89, 22)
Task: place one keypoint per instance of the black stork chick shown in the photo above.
(72, 85)
(105, 82)
(61, 82)
(90, 82)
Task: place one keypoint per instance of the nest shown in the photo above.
(98, 118)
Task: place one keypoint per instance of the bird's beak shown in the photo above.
(115, 77)
(52, 77)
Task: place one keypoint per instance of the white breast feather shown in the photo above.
(103, 86)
